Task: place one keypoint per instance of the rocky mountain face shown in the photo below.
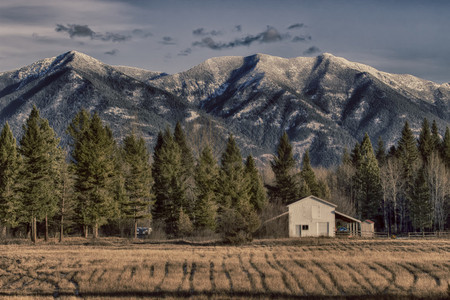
(325, 103)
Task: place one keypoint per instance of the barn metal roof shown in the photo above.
(346, 216)
(315, 198)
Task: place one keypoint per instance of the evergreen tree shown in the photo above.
(137, 179)
(64, 192)
(381, 152)
(206, 177)
(39, 147)
(168, 187)
(10, 204)
(446, 148)
(307, 173)
(94, 166)
(258, 195)
(435, 138)
(369, 193)
(283, 166)
(425, 142)
(421, 208)
(187, 169)
(408, 156)
(234, 197)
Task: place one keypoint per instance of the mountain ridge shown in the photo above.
(325, 103)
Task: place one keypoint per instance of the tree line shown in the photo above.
(98, 183)
(405, 188)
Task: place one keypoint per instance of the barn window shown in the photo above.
(305, 227)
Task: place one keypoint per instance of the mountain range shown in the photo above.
(324, 103)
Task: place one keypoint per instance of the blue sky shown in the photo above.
(173, 35)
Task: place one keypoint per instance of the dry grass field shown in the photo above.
(316, 268)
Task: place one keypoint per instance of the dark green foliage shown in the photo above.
(307, 174)
(425, 142)
(435, 139)
(234, 197)
(206, 177)
(39, 147)
(421, 208)
(94, 167)
(368, 185)
(258, 194)
(381, 152)
(10, 204)
(446, 147)
(283, 166)
(138, 179)
(168, 187)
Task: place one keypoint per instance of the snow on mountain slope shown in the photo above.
(325, 103)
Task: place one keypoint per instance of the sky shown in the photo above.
(171, 36)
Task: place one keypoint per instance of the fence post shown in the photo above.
(409, 235)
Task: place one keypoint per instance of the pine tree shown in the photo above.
(308, 175)
(206, 177)
(234, 197)
(137, 179)
(421, 208)
(446, 148)
(369, 172)
(187, 168)
(10, 205)
(425, 142)
(435, 138)
(94, 165)
(258, 195)
(39, 147)
(168, 187)
(408, 156)
(381, 152)
(283, 165)
(64, 192)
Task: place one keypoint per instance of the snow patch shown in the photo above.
(192, 116)
(119, 112)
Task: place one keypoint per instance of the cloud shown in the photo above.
(76, 30)
(296, 26)
(238, 28)
(301, 38)
(311, 50)
(185, 52)
(167, 40)
(141, 33)
(112, 52)
(203, 32)
(268, 36)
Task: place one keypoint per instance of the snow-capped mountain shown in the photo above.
(324, 103)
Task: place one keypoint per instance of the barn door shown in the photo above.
(322, 228)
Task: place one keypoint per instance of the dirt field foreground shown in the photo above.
(316, 268)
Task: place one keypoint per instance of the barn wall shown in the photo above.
(315, 214)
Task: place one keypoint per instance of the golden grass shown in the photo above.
(280, 269)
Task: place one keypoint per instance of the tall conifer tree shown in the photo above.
(39, 147)
(94, 165)
(137, 179)
(408, 156)
(238, 219)
(10, 204)
(308, 175)
(168, 187)
(206, 177)
(258, 195)
(425, 142)
(445, 148)
(283, 166)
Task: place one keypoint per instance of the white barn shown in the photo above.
(311, 216)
